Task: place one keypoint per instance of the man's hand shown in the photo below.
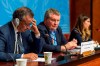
(34, 27)
(72, 44)
(30, 56)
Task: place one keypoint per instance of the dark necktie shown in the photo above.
(20, 47)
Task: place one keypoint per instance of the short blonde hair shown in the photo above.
(51, 11)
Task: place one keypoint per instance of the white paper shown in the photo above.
(41, 59)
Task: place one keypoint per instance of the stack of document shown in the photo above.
(42, 59)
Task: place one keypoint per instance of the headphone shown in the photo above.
(16, 21)
(18, 16)
(20, 13)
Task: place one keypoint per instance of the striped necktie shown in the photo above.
(20, 48)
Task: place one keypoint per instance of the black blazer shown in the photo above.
(45, 33)
(7, 43)
(75, 34)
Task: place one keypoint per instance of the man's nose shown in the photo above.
(28, 27)
(56, 22)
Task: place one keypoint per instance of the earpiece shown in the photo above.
(16, 21)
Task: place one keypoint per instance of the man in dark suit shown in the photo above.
(30, 41)
(52, 33)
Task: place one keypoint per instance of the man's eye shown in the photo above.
(53, 19)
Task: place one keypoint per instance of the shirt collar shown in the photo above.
(52, 31)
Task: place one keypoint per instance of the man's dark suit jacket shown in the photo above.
(76, 35)
(45, 33)
(7, 43)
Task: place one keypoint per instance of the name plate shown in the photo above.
(87, 48)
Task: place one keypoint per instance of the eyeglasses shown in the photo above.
(30, 24)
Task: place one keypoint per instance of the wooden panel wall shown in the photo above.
(96, 20)
(90, 8)
(78, 7)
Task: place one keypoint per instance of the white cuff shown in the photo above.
(37, 35)
(22, 56)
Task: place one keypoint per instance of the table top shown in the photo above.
(63, 60)
(84, 61)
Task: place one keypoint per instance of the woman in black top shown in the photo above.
(82, 31)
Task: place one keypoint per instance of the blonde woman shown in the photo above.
(82, 31)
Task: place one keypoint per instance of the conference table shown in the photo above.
(62, 59)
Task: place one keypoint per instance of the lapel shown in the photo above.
(12, 34)
(46, 33)
(57, 37)
(49, 39)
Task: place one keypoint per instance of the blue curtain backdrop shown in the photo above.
(39, 7)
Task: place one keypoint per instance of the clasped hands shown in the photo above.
(70, 45)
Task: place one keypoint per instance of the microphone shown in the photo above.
(46, 35)
(12, 59)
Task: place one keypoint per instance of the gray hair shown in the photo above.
(51, 11)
